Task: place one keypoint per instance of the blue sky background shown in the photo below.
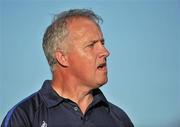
(143, 37)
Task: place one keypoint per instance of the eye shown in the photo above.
(102, 42)
(91, 45)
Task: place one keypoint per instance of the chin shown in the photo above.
(103, 82)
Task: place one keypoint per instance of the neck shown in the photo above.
(66, 87)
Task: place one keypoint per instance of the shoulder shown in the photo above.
(120, 115)
(115, 109)
(22, 113)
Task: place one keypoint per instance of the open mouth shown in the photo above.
(102, 66)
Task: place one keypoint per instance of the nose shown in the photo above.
(104, 52)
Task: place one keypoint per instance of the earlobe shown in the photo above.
(61, 58)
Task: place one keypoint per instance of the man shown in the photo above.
(74, 47)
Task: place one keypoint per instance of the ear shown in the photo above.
(61, 58)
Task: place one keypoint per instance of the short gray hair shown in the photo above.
(57, 31)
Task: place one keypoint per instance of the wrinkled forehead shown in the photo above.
(82, 31)
(78, 22)
(80, 26)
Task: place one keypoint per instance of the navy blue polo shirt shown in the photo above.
(46, 108)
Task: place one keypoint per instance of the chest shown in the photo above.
(72, 117)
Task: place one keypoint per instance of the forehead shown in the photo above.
(84, 29)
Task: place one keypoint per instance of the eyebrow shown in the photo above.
(95, 41)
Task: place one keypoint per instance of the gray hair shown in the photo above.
(57, 31)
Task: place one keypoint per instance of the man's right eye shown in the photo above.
(91, 45)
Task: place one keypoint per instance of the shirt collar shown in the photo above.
(49, 95)
(99, 99)
(51, 98)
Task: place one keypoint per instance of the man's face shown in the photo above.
(87, 54)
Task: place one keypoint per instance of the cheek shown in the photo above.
(86, 58)
(83, 61)
(87, 65)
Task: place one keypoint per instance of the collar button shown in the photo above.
(76, 108)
